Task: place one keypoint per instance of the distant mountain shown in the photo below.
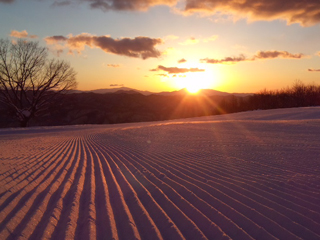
(204, 92)
(120, 90)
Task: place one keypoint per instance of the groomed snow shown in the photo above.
(249, 175)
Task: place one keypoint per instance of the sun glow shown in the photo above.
(193, 88)
(194, 82)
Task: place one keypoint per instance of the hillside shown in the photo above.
(250, 175)
(119, 107)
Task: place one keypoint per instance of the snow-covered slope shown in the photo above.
(251, 175)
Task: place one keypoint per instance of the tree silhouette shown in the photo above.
(29, 79)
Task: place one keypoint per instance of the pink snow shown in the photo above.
(248, 175)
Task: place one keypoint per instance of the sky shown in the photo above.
(239, 46)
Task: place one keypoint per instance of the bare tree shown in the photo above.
(29, 79)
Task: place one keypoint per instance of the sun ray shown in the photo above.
(194, 82)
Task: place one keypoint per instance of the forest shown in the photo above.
(126, 107)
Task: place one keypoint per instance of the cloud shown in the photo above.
(210, 39)
(313, 70)
(7, 1)
(182, 60)
(170, 51)
(113, 65)
(226, 60)
(62, 3)
(22, 34)
(258, 56)
(55, 39)
(116, 85)
(193, 40)
(277, 54)
(127, 5)
(170, 37)
(139, 47)
(162, 75)
(305, 12)
(190, 41)
(176, 70)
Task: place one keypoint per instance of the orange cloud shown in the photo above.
(176, 70)
(277, 54)
(210, 39)
(226, 60)
(182, 60)
(259, 55)
(193, 40)
(170, 37)
(22, 34)
(313, 70)
(162, 75)
(113, 65)
(139, 47)
(190, 41)
(305, 12)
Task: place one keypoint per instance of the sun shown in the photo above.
(193, 88)
(194, 82)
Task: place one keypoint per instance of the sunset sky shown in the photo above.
(166, 45)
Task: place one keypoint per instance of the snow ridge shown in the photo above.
(251, 175)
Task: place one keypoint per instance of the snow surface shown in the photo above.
(250, 175)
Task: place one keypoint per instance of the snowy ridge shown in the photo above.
(251, 175)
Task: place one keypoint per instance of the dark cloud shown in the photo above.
(277, 54)
(7, 1)
(306, 12)
(182, 60)
(175, 70)
(313, 70)
(22, 34)
(62, 3)
(128, 5)
(118, 5)
(258, 56)
(116, 85)
(139, 47)
(227, 60)
(55, 39)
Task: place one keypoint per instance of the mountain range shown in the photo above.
(205, 92)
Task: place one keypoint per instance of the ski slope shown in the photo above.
(250, 175)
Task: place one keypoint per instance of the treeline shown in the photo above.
(124, 107)
(299, 95)
(111, 108)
